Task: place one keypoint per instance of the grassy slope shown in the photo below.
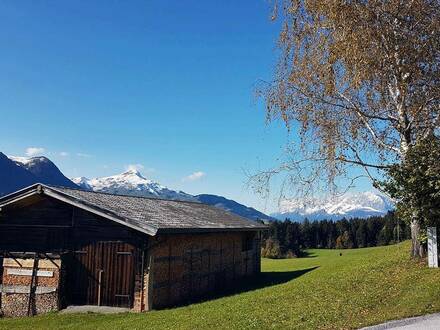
(359, 288)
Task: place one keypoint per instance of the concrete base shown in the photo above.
(94, 309)
(426, 322)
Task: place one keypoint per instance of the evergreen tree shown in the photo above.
(286, 239)
(361, 235)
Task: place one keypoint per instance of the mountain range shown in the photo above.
(19, 172)
(350, 205)
(133, 183)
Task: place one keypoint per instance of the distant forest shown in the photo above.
(289, 238)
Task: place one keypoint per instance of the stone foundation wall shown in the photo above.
(16, 281)
(185, 267)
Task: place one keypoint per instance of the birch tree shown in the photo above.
(358, 81)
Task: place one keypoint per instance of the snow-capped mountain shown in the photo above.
(44, 170)
(19, 172)
(82, 182)
(131, 183)
(12, 176)
(350, 205)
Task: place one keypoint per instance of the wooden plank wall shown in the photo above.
(186, 267)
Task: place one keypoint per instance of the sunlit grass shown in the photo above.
(323, 291)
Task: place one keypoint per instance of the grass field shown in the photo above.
(323, 291)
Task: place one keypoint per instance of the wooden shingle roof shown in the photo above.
(148, 215)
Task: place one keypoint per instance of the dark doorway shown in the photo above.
(101, 273)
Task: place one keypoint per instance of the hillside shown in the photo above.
(325, 291)
(233, 207)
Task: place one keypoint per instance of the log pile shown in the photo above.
(16, 287)
(16, 304)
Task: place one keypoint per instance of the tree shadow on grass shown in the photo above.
(307, 254)
(266, 279)
(260, 281)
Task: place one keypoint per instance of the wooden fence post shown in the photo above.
(432, 247)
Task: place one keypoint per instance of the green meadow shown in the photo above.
(325, 290)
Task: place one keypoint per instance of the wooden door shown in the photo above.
(82, 275)
(102, 273)
(117, 284)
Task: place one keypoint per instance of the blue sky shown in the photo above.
(169, 85)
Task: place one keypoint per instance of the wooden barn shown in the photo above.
(62, 247)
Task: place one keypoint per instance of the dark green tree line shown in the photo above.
(289, 238)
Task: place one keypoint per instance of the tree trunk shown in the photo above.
(417, 250)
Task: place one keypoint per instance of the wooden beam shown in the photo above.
(16, 199)
(33, 285)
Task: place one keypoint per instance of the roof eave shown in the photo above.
(208, 230)
(39, 188)
(16, 195)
